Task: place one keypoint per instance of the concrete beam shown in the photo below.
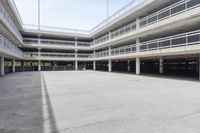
(110, 65)
(137, 66)
(13, 65)
(161, 66)
(2, 72)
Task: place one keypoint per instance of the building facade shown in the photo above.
(146, 36)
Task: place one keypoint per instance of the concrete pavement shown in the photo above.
(97, 102)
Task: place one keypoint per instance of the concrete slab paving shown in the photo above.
(97, 102)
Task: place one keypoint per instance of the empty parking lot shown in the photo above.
(97, 102)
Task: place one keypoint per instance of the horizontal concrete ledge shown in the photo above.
(184, 50)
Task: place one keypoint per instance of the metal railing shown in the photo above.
(55, 42)
(102, 39)
(172, 10)
(35, 55)
(56, 29)
(186, 39)
(84, 55)
(5, 44)
(4, 16)
(180, 40)
(116, 15)
(104, 53)
(124, 50)
(124, 30)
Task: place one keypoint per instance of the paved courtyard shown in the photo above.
(97, 102)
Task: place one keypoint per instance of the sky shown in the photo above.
(74, 14)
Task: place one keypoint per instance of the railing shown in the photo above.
(55, 42)
(4, 15)
(119, 13)
(180, 40)
(48, 55)
(5, 44)
(84, 55)
(104, 53)
(124, 30)
(102, 39)
(124, 50)
(172, 10)
(56, 29)
(36, 55)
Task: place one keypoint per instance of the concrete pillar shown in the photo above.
(109, 50)
(161, 66)
(137, 66)
(39, 61)
(137, 45)
(199, 67)
(94, 53)
(94, 65)
(76, 42)
(13, 65)
(137, 23)
(109, 35)
(94, 40)
(76, 65)
(76, 60)
(110, 65)
(39, 65)
(129, 67)
(2, 72)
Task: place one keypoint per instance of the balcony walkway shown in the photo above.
(97, 102)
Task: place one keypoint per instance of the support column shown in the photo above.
(129, 67)
(76, 42)
(94, 62)
(76, 65)
(137, 23)
(199, 67)
(110, 61)
(109, 50)
(94, 65)
(13, 65)
(161, 71)
(39, 61)
(110, 65)
(137, 66)
(2, 72)
(39, 65)
(76, 60)
(109, 35)
(137, 45)
(94, 41)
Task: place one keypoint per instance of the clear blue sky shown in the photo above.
(76, 14)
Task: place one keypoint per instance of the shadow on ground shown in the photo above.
(23, 99)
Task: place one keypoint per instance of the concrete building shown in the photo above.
(162, 39)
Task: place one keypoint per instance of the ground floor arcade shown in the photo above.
(186, 66)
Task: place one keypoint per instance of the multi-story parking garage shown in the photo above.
(47, 90)
(146, 36)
